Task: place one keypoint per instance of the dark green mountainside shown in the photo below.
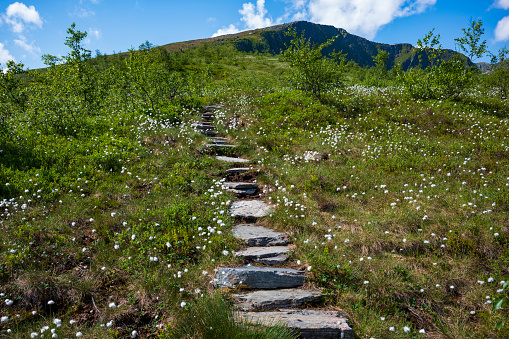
(274, 40)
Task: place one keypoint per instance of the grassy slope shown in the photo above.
(390, 201)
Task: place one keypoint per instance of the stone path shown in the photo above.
(265, 293)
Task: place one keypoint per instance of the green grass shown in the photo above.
(376, 189)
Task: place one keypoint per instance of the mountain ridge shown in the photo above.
(358, 49)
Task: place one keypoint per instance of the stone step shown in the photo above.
(271, 255)
(238, 170)
(310, 324)
(259, 235)
(205, 127)
(250, 209)
(232, 160)
(209, 133)
(243, 192)
(243, 188)
(265, 278)
(212, 108)
(217, 140)
(269, 299)
(240, 185)
(220, 146)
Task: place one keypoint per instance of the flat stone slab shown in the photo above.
(253, 253)
(250, 209)
(262, 300)
(240, 185)
(310, 324)
(215, 141)
(212, 108)
(209, 133)
(259, 235)
(279, 260)
(242, 191)
(205, 127)
(221, 145)
(232, 160)
(238, 170)
(265, 278)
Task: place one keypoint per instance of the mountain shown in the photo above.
(274, 40)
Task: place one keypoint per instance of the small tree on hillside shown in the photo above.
(312, 72)
(381, 62)
(499, 75)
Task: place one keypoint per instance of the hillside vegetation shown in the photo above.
(393, 184)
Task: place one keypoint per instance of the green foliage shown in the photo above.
(381, 60)
(13, 96)
(445, 79)
(470, 41)
(149, 80)
(311, 71)
(213, 317)
(498, 78)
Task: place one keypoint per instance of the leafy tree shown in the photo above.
(70, 90)
(312, 72)
(146, 45)
(498, 78)
(13, 93)
(150, 80)
(470, 43)
(446, 78)
(381, 62)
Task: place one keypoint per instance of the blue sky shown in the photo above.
(29, 29)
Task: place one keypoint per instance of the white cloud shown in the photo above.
(5, 55)
(81, 12)
(502, 29)
(364, 17)
(254, 16)
(95, 33)
(31, 48)
(501, 4)
(226, 30)
(18, 15)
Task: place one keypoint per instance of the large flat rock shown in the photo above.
(310, 324)
(240, 185)
(266, 278)
(259, 235)
(220, 145)
(267, 299)
(232, 160)
(253, 253)
(238, 170)
(212, 108)
(249, 209)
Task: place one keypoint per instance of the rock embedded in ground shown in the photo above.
(240, 185)
(279, 260)
(212, 108)
(253, 253)
(249, 209)
(259, 235)
(311, 324)
(267, 278)
(238, 170)
(220, 145)
(267, 299)
(242, 191)
(232, 160)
